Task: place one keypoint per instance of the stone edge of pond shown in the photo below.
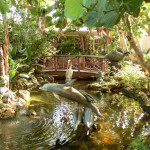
(12, 102)
(141, 97)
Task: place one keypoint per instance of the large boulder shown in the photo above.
(24, 94)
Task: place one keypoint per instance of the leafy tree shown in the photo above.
(109, 13)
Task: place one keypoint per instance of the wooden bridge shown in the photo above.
(84, 66)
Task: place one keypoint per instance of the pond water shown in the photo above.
(54, 123)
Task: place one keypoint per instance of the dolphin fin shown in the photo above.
(56, 96)
(70, 82)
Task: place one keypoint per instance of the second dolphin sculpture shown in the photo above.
(70, 93)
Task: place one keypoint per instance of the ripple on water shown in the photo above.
(54, 122)
(26, 133)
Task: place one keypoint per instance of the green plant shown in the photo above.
(138, 144)
(132, 75)
(13, 67)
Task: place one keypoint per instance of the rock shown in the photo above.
(24, 94)
(6, 98)
(3, 90)
(21, 103)
(6, 113)
(2, 105)
(31, 113)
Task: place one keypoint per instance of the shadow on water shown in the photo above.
(54, 123)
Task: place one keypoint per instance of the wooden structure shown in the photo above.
(83, 66)
(89, 41)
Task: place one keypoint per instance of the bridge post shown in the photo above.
(62, 62)
(83, 62)
(79, 65)
(55, 63)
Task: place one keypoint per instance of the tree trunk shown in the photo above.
(2, 69)
(139, 57)
(6, 50)
(43, 24)
(108, 39)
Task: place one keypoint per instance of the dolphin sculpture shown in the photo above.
(70, 93)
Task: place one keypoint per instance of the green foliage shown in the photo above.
(110, 19)
(48, 21)
(132, 5)
(13, 66)
(28, 52)
(138, 144)
(68, 47)
(4, 8)
(101, 12)
(132, 75)
(91, 19)
(74, 9)
(60, 23)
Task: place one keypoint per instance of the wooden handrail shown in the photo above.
(87, 63)
(75, 56)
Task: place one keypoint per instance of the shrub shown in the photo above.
(133, 75)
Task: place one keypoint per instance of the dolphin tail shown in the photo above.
(56, 96)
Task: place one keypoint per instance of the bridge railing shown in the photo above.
(79, 62)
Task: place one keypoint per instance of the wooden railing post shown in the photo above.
(62, 62)
(55, 61)
(83, 62)
(79, 65)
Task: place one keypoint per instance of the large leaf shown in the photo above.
(116, 4)
(11, 63)
(13, 51)
(12, 74)
(87, 3)
(74, 9)
(4, 8)
(136, 13)
(101, 6)
(91, 19)
(24, 80)
(24, 75)
(110, 19)
(28, 52)
(132, 5)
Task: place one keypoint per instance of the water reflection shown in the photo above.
(54, 123)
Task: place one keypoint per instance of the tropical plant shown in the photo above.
(132, 75)
(13, 67)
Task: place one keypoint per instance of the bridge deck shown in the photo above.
(76, 74)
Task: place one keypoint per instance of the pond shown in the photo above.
(54, 123)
